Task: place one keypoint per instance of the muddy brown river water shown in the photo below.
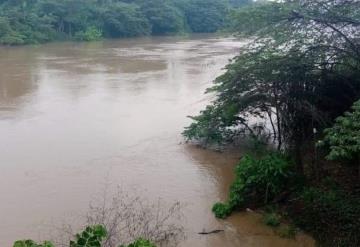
(73, 115)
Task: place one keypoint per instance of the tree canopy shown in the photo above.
(37, 21)
(299, 73)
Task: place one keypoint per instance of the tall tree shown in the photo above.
(300, 72)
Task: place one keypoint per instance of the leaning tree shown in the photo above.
(301, 71)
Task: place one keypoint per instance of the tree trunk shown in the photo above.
(358, 160)
(297, 150)
(272, 126)
(70, 31)
(299, 161)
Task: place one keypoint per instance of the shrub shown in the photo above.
(271, 219)
(13, 38)
(332, 216)
(286, 231)
(30, 243)
(343, 137)
(90, 34)
(221, 210)
(257, 182)
(90, 237)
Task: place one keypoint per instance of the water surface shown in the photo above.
(76, 115)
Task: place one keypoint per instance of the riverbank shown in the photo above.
(288, 202)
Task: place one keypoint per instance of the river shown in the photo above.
(74, 116)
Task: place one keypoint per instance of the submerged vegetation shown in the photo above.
(296, 87)
(38, 21)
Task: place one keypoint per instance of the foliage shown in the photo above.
(206, 15)
(90, 237)
(286, 231)
(37, 21)
(163, 17)
(258, 181)
(208, 127)
(221, 210)
(91, 34)
(271, 219)
(300, 72)
(30, 243)
(240, 3)
(332, 216)
(124, 20)
(344, 136)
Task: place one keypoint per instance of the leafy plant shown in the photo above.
(271, 219)
(30, 243)
(344, 136)
(332, 216)
(90, 34)
(90, 237)
(221, 210)
(257, 182)
(286, 231)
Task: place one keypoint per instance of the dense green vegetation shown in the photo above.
(294, 87)
(343, 137)
(330, 213)
(258, 182)
(299, 74)
(92, 236)
(37, 21)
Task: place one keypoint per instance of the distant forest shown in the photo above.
(39, 21)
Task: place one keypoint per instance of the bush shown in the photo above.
(257, 182)
(13, 39)
(271, 219)
(91, 34)
(221, 210)
(92, 236)
(30, 243)
(332, 216)
(286, 231)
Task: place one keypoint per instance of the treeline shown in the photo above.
(38, 21)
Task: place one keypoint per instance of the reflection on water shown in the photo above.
(73, 114)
